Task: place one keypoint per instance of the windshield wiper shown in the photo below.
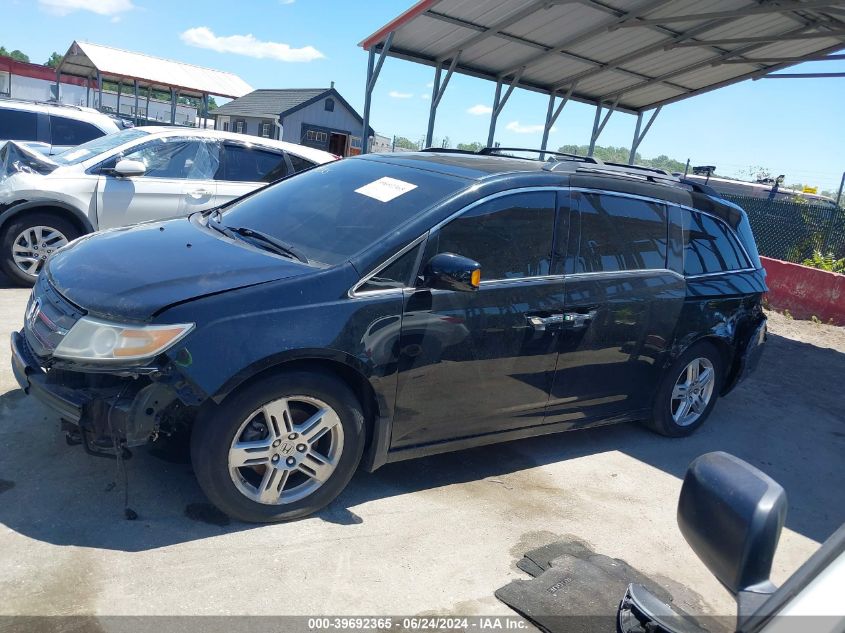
(282, 248)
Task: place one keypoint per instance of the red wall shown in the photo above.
(805, 291)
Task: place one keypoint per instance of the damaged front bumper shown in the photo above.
(105, 412)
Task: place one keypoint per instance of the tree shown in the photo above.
(15, 54)
(471, 147)
(54, 61)
(404, 143)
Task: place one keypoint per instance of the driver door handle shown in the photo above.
(579, 319)
(196, 194)
(541, 322)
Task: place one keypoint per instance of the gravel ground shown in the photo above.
(436, 535)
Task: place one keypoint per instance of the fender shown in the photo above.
(22, 207)
(375, 454)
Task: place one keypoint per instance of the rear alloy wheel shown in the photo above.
(688, 391)
(29, 241)
(280, 448)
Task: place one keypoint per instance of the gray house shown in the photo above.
(316, 117)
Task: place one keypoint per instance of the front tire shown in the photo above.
(27, 242)
(280, 448)
(688, 391)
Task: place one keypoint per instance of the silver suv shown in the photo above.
(51, 128)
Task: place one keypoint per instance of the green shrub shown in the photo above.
(825, 262)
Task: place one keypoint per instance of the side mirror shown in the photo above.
(127, 168)
(447, 271)
(731, 514)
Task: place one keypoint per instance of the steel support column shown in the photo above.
(638, 138)
(552, 114)
(119, 90)
(205, 111)
(135, 86)
(99, 91)
(437, 92)
(58, 84)
(88, 92)
(373, 70)
(598, 128)
(499, 101)
(173, 106)
(147, 107)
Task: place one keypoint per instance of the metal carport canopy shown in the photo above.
(615, 54)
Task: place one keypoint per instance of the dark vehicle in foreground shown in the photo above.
(392, 306)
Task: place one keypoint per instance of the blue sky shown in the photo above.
(794, 127)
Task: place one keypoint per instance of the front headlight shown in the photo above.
(95, 340)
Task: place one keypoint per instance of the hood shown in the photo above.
(18, 158)
(135, 272)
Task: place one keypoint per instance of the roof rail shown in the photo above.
(499, 151)
(57, 104)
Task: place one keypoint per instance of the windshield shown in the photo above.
(97, 146)
(334, 211)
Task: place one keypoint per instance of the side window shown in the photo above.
(709, 246)
(244, 164)
(620, 233)
(175, 158)
(17, 125)
(510, 237)
(66, 131)
(395, 275)
(299, 163)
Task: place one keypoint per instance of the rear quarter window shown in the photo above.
(710, 246)
(18, 125)
(65, 131)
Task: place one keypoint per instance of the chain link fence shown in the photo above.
(793, 230)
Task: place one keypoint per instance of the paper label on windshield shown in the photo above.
(385, 189)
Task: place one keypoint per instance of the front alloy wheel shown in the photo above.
(286, 450)
(34, 245)
(279, 448)
(29, 239)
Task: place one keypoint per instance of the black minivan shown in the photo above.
(392, 306)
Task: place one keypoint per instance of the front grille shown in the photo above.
(48, 318)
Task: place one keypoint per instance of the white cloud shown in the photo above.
(100, 7)
(516, 126)
(479, 110)
(248, 45)
(425, 95)
(430, 84)
(286, 1)
(399, 95)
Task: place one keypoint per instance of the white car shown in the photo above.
(132, 176)
(52, 128)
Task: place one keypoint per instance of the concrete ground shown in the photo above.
(437, 535)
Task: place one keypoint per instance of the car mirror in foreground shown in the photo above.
(127, 168)
(447, 271)
(731, 514)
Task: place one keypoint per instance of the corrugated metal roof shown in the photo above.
(642, 53)
(84, 59)
(269, 102)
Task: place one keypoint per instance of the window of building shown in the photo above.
(709, 246)
(244, 164)
(620, 233)
(329, 105)
(510, 237)
(265, 129)
(239, 127)
(66, 131)
(225, 126)
(5, 84)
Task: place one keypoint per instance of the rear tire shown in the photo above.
(280, 448)
(688, 391)
(28, 240)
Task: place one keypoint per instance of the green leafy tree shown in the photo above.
(15, 54)
(54, 61)
(471, 147)
(405, 143)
